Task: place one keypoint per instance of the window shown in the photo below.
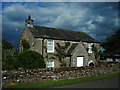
(50, 45)
(50, 64)
(33, 43)
(29, 25)
(90, 47)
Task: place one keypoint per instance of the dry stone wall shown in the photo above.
(29, 75)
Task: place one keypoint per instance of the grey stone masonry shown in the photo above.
(29, 75)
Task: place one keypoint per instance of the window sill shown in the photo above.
(50, 52)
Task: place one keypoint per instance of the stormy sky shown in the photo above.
(98, 19)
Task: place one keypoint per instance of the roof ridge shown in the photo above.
(59, 29)
(63, 34)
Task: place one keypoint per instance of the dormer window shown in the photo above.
(50, 46)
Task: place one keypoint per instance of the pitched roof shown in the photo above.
(73, 46)
(55, 33)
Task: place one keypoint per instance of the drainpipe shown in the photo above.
(70, 62)
(43, 47)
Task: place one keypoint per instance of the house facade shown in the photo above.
(46, 41)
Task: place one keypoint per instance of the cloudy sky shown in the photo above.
(99, 19)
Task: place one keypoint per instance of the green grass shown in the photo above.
(50, 83)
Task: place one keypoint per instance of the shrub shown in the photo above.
(30, 59)
(63, 64)
(61, 52)
(10, 64)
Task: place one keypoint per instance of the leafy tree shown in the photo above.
(61, 52)
(112, 43)
(8, 51)
(25, 44)
(9, 55)
(95, 51)
(30, 59)
(6, 45)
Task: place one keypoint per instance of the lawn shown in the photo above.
(50, 84)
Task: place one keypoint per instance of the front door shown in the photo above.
(79, 61)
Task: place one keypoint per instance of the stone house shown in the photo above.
(44, 40)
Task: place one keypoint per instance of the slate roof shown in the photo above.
(72, 48)
(55, 33)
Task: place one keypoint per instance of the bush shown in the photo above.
(63, 64)
(9, 64)
(31, 59)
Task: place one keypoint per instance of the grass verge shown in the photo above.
(51, 83)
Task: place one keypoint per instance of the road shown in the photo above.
(106, 83)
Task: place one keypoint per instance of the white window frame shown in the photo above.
(50, 65)
(29, 25)
(90, 47)
(48, 46)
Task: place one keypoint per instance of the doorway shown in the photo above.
(79, 61)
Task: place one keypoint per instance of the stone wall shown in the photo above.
(17, 76)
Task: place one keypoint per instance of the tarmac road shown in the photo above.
(106, 83)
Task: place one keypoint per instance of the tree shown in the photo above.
(9, 55)
(61, 52)
(112, 43)
(30, 59)
(6, 45)
(95, 51)
(8, 51)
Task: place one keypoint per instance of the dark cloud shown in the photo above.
(97, 19)
(11, 33)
